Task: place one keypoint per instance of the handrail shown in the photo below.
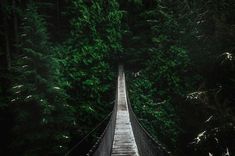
(86, 136)
(93, 150)
(103, 146)
(147, 144)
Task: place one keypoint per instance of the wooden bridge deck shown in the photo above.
(124, 142)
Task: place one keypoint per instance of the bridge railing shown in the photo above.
(147, 145)
(103, 146)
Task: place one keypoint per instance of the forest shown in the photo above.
(58, 72)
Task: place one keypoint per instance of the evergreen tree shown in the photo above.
(95, 34)
(42, 116)
(160, 64)
(57, 77)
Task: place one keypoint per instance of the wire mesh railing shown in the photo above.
(103, 146)
(147, 145)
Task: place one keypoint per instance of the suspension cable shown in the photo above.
(85, 137)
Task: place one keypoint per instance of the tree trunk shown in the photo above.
(58, 18)
(7, 39)
(15, 25)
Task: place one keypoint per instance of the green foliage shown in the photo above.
(161, 66)
(184, 44)
(155, 113)
(179, 56)
(86, 60)
(154, 95)
(211, 44)
(42, 114)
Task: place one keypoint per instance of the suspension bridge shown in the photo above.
(124, 135)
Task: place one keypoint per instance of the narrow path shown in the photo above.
(124, 142)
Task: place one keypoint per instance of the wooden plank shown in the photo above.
(124, 142)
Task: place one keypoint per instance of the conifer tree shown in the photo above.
(95, 36)
(42, 116)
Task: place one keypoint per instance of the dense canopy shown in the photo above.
(58, 69)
